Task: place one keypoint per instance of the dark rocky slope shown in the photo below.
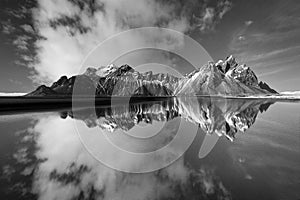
(224, 78)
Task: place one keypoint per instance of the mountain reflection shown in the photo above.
(224, 117)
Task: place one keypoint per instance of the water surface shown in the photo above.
(240, 149)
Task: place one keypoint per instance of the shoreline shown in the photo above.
(67, 98)
(18, 105)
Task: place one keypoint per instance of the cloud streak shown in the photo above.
(270, 43)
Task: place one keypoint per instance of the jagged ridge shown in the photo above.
(222, 78)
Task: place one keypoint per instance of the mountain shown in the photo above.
(65, 87)
(265, 86)
(224, 78)
(43, 91)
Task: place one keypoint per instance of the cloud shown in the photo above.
(28, 28)
(248, 23)
(271, 72)
(58, 35)
(21, 12)
(272, 54)
(241, 38)
(16, 24)
(271, 43)
(7, 27)
(207, 21)
(22, 42)
(70, 29)
(223, 7)
(211, 16)
(278, 28)
(268, 42)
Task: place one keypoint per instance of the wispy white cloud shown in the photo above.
(269, 43)
(256, 41)
(211, 16)
(271, 72)
(223, 7)
(248, 23)
(28, 28)
(19, 13)
(22, 42)
(71, 31)
(7, 27)
(53, 37)
(271, 54)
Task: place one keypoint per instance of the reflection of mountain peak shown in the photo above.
(213, 115)
(223, 117)
(221, 78)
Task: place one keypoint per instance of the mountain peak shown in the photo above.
(243, 74)
(42, 90)
(62, 80)
(265, 86)
(222, 78)
(102, 71)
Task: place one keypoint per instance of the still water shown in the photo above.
(173, 149)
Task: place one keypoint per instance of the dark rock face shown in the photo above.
(107, 85)
(66, 87)
(63, 85)
(152, 89)
(127, 82)
(265, 86)
(42, 91)
(62, 81)
(244, 74)
(221, 78)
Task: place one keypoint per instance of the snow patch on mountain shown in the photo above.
(102, 71)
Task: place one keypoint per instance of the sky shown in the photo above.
(41, 40)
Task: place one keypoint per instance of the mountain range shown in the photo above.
(223, 78)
